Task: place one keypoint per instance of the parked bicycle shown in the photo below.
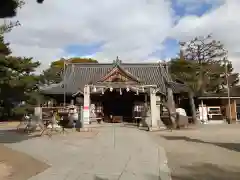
(29, 124)
(24, 122)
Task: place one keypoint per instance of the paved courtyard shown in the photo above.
(116, 152)
(208, 152)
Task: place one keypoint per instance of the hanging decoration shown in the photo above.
(137, 92)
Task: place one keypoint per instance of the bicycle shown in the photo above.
(23, 123)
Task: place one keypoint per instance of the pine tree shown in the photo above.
(207, 55)
(17, 82)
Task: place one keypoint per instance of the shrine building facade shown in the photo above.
(118, 88)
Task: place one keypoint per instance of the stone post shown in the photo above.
(146, 115)
(86, 105)
(153, 104)
(38, 113)
(160, 123)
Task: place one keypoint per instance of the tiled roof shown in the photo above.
(79, 74)
(234, 92)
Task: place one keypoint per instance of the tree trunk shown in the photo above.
(171, 106)
(193, 108)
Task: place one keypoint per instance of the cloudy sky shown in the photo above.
(134, 30)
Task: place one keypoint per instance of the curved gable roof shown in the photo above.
(79, 74)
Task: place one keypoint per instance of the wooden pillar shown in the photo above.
(193, 107)
(234, 110)
(153, 104)
(86, 105)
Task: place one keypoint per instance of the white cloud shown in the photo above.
(41, 54)
(129, 29)
(223, 22)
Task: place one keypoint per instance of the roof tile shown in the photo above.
(79, 74)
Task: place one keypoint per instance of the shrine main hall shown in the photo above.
(119, 89)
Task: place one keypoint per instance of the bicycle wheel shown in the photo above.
(22, 125)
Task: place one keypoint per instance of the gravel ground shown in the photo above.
(18, 166)
(5, 170)
(206, 152)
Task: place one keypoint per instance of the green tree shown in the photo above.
(188, 71)
(201, 65)
(8, 8)
(54, 73)
(18, 82)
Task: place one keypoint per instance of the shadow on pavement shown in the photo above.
(98, 178)
(12, 136)
(207, 171)
(147, 177)
(229, 146)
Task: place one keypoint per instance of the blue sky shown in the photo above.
(183, 9)
(171, 48)
(83, 50)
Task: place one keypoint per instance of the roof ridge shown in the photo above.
(97, 65)
(131, 63)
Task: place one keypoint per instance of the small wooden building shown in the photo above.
(118, 88)
(222, 99)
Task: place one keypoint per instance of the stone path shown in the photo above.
(116, 153)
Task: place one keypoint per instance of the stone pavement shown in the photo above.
(116, 153)
(205, 152)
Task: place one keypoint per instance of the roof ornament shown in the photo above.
(117, 62)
